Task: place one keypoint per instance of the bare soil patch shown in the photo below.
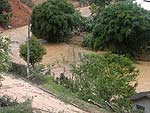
(20, 16)
(21, 90)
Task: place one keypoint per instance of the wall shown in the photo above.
(143, 102)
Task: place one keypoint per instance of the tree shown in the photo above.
(5, 12)
(4, 53)
(54, 20)
(106, 78)
(36, 51)
(123, 28)
(101, 3)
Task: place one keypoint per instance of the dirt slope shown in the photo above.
(20, 15)
(21, 90)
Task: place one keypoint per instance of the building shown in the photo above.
(141, 102)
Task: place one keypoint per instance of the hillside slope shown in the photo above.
(20, 15)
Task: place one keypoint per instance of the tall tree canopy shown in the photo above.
(122, 28)
(54, 19)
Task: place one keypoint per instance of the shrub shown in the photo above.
(4, 53)
(9, 106)
(5, 12)
(18, 69)
(106, 78)
(36, 51)
(123, 28)
(54, 20)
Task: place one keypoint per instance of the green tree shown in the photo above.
(4, 53)
(54, 20)
(106, 78)
(123, 28)
(5, 12)
(36, 51)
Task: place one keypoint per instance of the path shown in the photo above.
(17, 88)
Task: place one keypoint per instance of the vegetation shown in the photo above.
(121, 28)
(36, 51)
(4, 53)
(28, 3)
(9, 106)
(101, 3)
(5, 12)
(106, 79)
(54, 20)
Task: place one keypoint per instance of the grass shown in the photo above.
(69, 97)
(19, 108)
(62, 93)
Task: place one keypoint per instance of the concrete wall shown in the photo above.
(142, 102)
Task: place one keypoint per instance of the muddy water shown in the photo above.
(144, 77)
(60, 56)
(65, 54)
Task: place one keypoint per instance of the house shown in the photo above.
(141, 102)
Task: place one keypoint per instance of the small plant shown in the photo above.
(36, 51)
(9, 106)
(106, 79)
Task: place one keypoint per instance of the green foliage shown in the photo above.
(18, 69)
(123, 28)
(101, 3)
(4, 53)
(9, 106)
(6, 101)
(5, 12)
(28, 3)
(88, 41)
(37, 74)
(106, 78)
(54, 20)
(36, 51)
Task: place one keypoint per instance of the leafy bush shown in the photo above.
(6, 101)
(7, 105)
(4, 53)
(54, 20)
(37, 74)
(18, 69)
(106, 78)
(36, 51)
(5, 12)
(123, 28)
(19, 108)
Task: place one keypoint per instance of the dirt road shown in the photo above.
(17, 88)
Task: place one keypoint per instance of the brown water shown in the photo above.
(64, 54)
